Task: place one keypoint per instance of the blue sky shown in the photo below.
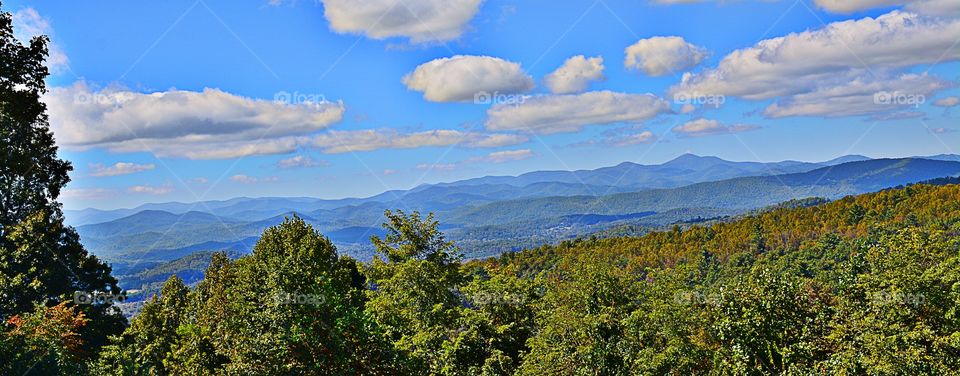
(326, 111)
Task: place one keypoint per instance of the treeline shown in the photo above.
(863, 285)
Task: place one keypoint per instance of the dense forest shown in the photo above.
(867, 284)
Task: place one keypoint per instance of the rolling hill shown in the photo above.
(496, 215)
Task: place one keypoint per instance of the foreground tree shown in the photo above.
(414, 280)
(42, 263)
(294, 306)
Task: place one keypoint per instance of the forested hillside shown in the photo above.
(698, 266)
(862, 285)
(488, 219)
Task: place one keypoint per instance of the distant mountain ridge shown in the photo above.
(737, 194)
(492, 217)
(624, 177)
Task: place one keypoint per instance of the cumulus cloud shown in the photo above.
(300, 161)
(209, 124)
(156, 190)
(947, 102)
(420, 20)
(831, 56)
(27, 23)
(707, 127)
(245, 179)
(659, 56)
(861, 96)
(464, 78)
(569, 113)
(120, 168)
(575, 75)
(373, 139)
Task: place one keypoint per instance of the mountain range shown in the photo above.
(492, 214)
(628, 176)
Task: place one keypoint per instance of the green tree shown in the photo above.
(294, 306)
(414, 280)
(41, 260)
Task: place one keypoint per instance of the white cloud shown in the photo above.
(644, 137)
(151, 189)
(373, 139)
(300, 161)
(575, 75)
(210, 124)
(929, 7)
(464, 78)
(569, 113)
(27, 23)
(200, 180)
(832, 56)
(861, 96)
(943, 8)
(87, 193)
(947, 102)
(503, 156)
(420, 20)
(437, 167)
(244, 179)
(659, 56)
(707, 127)
(120, 168)
(901, 115)
(850, 6)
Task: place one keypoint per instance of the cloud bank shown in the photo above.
(209, 124)
(809, 71)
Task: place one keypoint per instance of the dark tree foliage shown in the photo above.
(42, 264)
(862, 285)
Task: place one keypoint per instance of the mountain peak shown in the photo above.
(687, 159)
